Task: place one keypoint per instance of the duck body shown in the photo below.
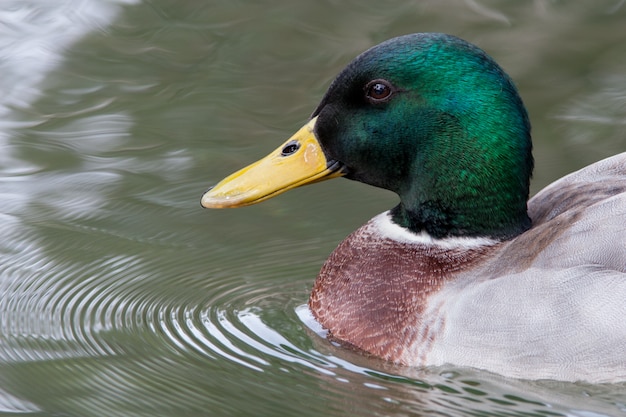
(548, 304)
(464, 270)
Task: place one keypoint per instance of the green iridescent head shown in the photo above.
(428, 116)
(434, 119)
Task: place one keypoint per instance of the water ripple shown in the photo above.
(121, 307)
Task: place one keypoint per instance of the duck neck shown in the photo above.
(482, 195)
(441, 222)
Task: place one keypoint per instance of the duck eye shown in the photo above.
(377, 91)
(291, 147)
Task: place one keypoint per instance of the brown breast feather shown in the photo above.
(371, 291)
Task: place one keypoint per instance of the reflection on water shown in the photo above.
(119, 296)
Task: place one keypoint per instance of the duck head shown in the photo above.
(427, 116)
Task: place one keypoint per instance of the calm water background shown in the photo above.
(120, 296)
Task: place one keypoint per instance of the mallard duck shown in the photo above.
(464, 271)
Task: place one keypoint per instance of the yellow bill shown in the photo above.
(297, 162)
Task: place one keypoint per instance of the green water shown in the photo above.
(120, 296)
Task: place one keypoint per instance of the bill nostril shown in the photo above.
(290, 148)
